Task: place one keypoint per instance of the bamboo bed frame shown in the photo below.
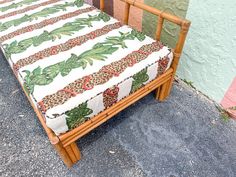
(65, 143)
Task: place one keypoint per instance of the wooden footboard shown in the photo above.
(65, 143)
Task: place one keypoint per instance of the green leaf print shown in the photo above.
(52, 71)
(37, 71)
(105, 17)
(79, 3)
(78, 115)
(119, 40)
(41, 80)
(67, 29)
(29, 88)
(99, 51)
(23, 44)
(37, 41)
(139, 80)
(35, 78)
(16, 5)
(34, 16)
(26, 88)
(65, 68)
(139, 35)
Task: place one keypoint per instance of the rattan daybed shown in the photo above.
(79, 67)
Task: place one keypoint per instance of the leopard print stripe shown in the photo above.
(44, 23)
(102, 76)
(54, 50)
(28, 9)
(5, 1)
(162, 65)
(110, 96)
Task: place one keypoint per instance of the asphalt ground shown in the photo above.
(183, 136)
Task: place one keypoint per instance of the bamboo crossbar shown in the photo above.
(165, 15)
(183, 23)
(126, 15)
(65, 143)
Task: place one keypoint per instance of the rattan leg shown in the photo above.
(169, 87)
(73, 152)
(164, 90)
(63, 154)
(69, 154)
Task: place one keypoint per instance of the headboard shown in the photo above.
(162, 16)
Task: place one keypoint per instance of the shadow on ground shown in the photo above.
(182, 136)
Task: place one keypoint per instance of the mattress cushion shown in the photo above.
(74, 60)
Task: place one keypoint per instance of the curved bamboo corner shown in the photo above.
(65, 144)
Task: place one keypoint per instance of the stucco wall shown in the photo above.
(209, 59)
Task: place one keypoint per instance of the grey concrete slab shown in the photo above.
(183, 136)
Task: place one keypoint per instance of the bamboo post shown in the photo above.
(161, 92)
(159, 27)
(166, 88)
(63, 154)
(76, 150)
(69, 154)
(102, 5)
(73, 152)
(180, 44)
(126, 15)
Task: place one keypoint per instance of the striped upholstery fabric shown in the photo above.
(75, 61)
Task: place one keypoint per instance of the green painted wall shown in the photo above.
(176, 7)
(209, 58)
